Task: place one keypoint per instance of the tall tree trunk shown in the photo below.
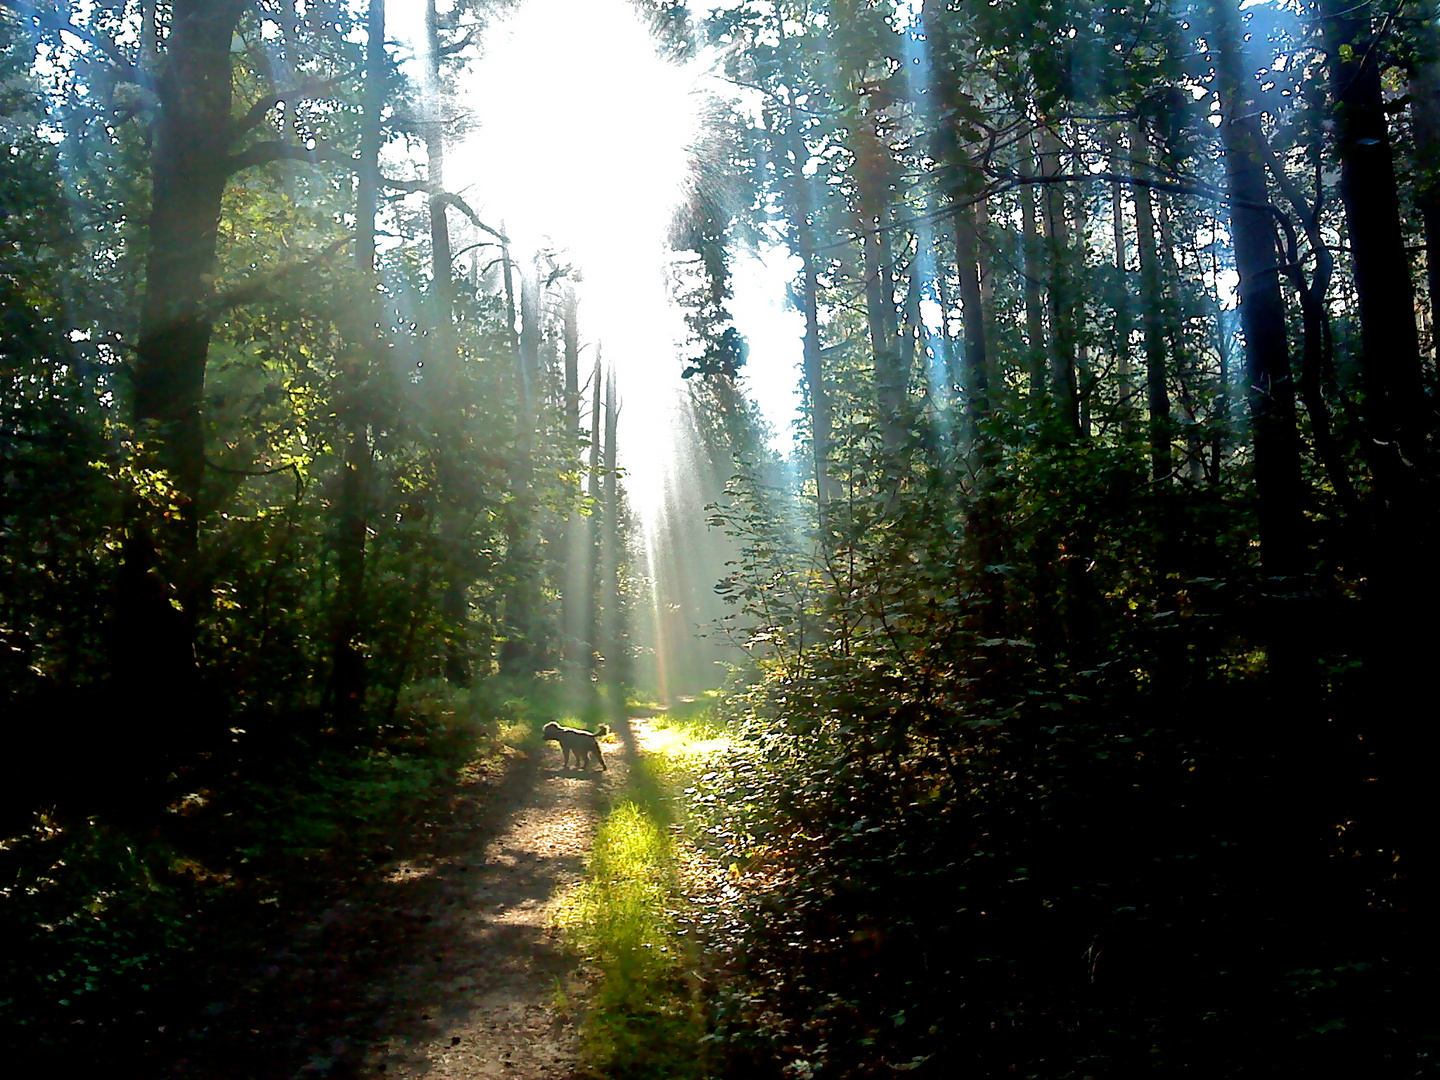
(594, 526)
(1062, 285)
(1152, 301)
(191, 167)
(348, 674)
(1425, 122)
(791, 148)
(575, 597)
(1316, 328)
(154, 643)
(974, 350)
(1399, 419)
(1223, 421)
(1034, 260)
(441, 260)
(521, 651)
(982, 519)
(1262, 315)
(1394, 394)
(1125, 394)
(611, 545)
(872, 178)
(452, 514)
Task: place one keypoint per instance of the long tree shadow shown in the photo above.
(414, 948)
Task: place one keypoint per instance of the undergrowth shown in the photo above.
(112, 926)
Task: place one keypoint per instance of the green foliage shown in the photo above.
(112, 932)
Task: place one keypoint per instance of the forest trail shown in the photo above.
(447, 965)
(478, 998)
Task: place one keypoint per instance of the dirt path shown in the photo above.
(501, 965)
(444, 966)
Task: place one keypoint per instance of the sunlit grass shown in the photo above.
(645, 1016)
(643, 1019)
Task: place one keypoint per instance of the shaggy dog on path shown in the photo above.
(577, 741)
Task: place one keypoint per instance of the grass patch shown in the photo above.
(645, 1017)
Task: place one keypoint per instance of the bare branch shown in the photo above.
(458, 46)
(445, 198)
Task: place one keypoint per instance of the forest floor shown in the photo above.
(447, 964)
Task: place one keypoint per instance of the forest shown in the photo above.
(1049, 699)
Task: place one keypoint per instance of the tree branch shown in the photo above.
(263, 153)
(446, 198)
(258, 111)
(458, 46)
(53, 21)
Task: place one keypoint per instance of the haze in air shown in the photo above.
(779, 538)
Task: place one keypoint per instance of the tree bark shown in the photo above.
(611, 545)
(1394, 394)
(1152, 301)
(520, 654)
(1262, 314)
(872, 178)
(1062, 291)
(1034, 274)
(1125, 395)
(154, 644)
(791, 148)
(452, 514)
(1425, 121)
(348, 671)
(594, 530)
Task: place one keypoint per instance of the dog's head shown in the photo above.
(551, 731)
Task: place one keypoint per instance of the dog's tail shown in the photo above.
(602, 730)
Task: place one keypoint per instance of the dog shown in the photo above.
(577, 741)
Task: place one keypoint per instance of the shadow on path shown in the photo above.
(444, 964)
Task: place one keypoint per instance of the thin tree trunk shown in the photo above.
(1157, 396)
(1125, 394)
(1034, 275)
(1223, 422)
(611, 632)
(575, 597)
(1062, 290)
(521, 651)
(441, 260)
(1425, 122)
(594, 530)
